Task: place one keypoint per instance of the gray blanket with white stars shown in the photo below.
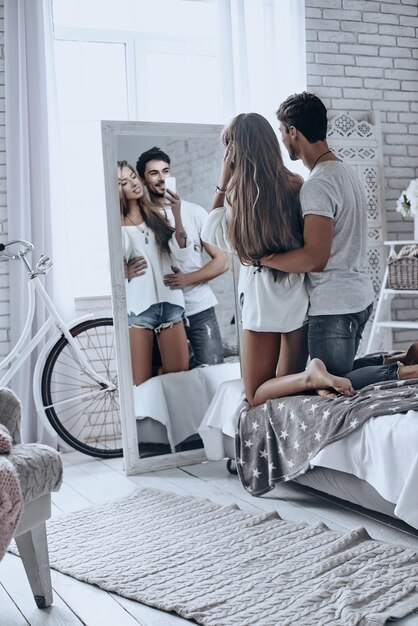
(276, 441)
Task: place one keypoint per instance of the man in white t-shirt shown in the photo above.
(334, 254)
(193, 275)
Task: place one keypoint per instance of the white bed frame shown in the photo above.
(335, 483)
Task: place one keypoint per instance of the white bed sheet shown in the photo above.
(221, 418)
(177, 401)
(383, 452)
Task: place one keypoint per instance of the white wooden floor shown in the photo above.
(89, 481)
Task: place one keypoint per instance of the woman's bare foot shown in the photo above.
(320, 378)
(329, 394)
(410, 357)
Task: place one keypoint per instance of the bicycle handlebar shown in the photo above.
(26, 247)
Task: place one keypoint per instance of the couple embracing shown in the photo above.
(304, 288)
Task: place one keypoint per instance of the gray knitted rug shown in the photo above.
(221, 566)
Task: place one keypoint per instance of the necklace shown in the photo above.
(320, 157)
(144, 231)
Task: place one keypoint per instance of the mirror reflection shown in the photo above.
(181, 312)
(153, 249)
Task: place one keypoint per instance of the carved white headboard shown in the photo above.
(359, 143)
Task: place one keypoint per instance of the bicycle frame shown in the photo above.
(17, 356)
(74, 380)
(21, 351)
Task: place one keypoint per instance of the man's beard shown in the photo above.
(156, 195)
(292, 155)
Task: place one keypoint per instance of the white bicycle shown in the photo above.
(75, 383)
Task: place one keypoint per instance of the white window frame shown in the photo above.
(137, 48)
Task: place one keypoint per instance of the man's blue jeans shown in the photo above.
(335, 340)
(205, 338)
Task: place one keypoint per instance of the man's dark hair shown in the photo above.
(307, 113)
(150, 155)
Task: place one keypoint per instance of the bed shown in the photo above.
(169, 408)
(374, 466)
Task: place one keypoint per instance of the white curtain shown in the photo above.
(262, 46)
(30, 116)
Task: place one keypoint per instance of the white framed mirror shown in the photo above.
(160, 416)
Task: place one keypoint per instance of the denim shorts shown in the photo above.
(157, 317)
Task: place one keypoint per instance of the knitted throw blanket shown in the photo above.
(5, 440)
(276, 441)
(11, 501)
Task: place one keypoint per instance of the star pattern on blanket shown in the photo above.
(278, 440)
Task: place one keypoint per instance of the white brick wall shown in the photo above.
(362, 55)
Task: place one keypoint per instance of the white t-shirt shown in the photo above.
(198, 297)
(334, 190)
(143, 291)
(269, 305)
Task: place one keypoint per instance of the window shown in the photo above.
(130, 60)
(198, 61)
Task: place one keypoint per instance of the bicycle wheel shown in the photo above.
(83, 412)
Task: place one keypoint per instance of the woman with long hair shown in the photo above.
(262, 216)
(153, 308)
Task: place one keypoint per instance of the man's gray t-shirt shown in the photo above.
(334, 190)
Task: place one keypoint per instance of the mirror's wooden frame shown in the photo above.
(111, 131)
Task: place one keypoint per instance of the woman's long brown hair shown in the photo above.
(265, 209)
(159, 224)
